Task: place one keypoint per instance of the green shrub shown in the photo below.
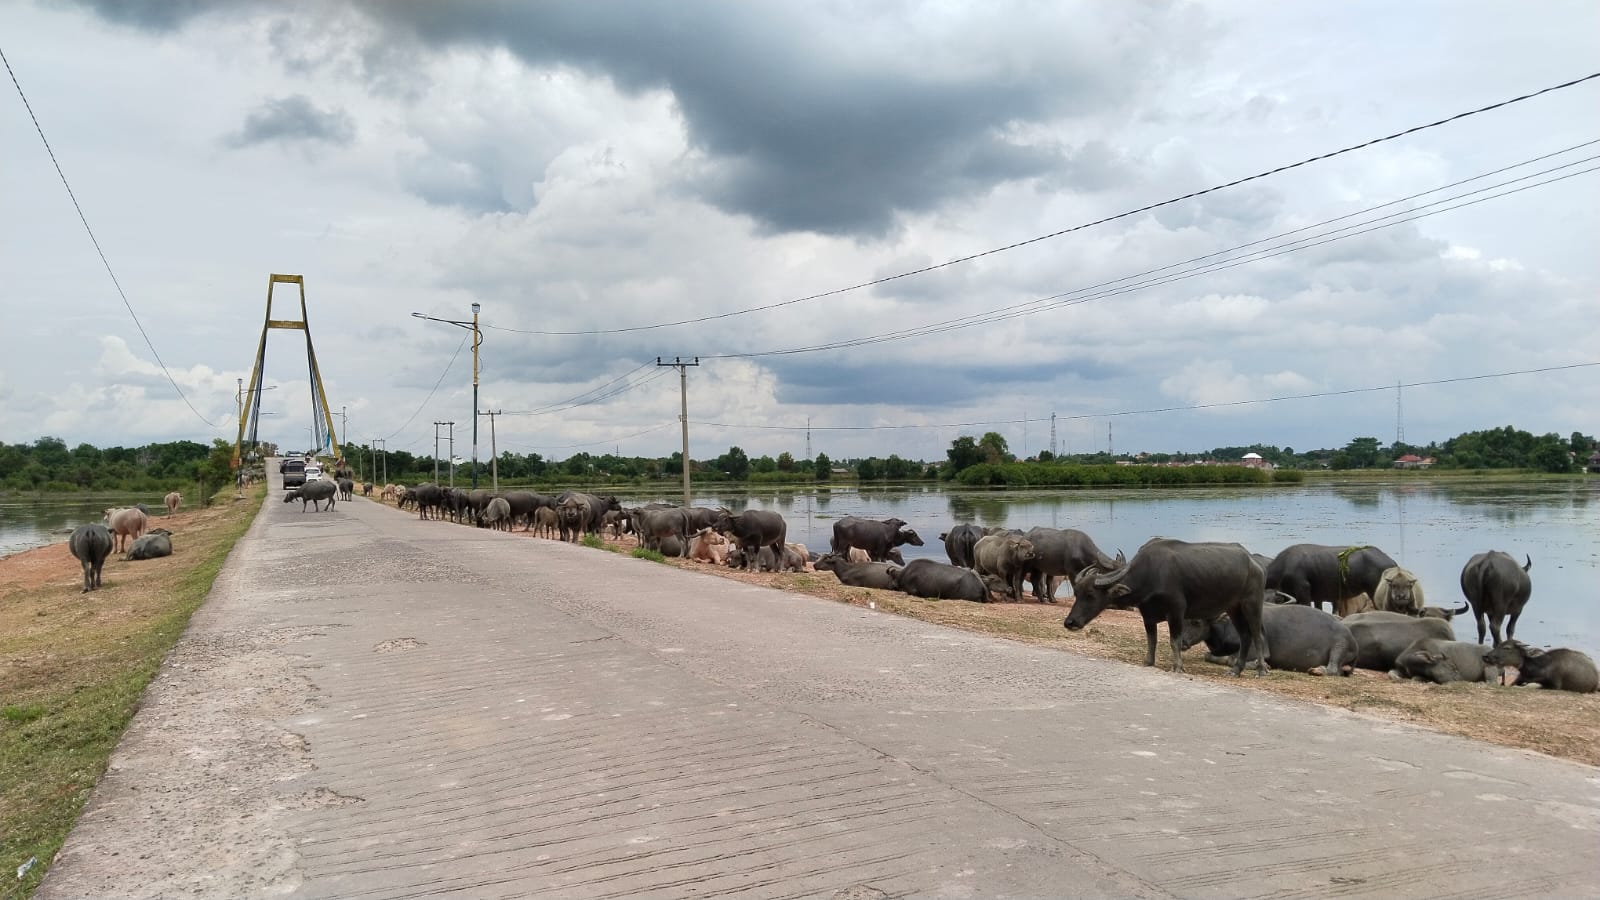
(593, 541)
(647, 553)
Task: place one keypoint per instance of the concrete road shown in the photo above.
(371, 706)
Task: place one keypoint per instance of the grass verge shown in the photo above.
(74, 666)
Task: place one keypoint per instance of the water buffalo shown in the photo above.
(1316, 574)
(314, 493)
(938, 581)
(1442, 662)
(1301, 639)
(173, 501)
(877, 538)
(366, 489)
(429, 498)
(708, 546)
(751, 530)
(787, 561)
(1496, 587)
(151, 546)
(1559, 669)
(671, 545)
(1060, 553)
(1382, 636)
(90, 544)
(597, 506)
(1005, 556)
(572, 514)
(857, 554)
(654, 524)
(497, 514)
(868, 574)
(796, 558)
(958, 543)
(1439, 612)
(1399, 591)
(1175, 580)
(347, 489)
(546, 522)
(126, 524)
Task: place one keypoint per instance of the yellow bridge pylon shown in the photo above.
(250, 402)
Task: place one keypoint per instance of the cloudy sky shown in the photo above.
(587, 171)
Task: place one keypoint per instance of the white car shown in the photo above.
(313, 473)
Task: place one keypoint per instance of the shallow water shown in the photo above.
(1431, 528)
(31, 522)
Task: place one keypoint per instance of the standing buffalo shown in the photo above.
(655, 523)
(1559, 669)
(91, 544)
(313, 493)
(594, 507)
(429, 498)
(126, 524)
(1399, 591)
(938, 581)
(751, 530)
(573, 515)
(1496, 588)
(877, 538)
(1061, 553)
(958, 543)
(497, 514)
(1005, 556)
(1175, 580)
(1301, 639)
(1382, 636)
(173, 501)
(347, 489)
(1315, 574)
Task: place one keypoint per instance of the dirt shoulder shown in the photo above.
(1560, 724)
(73, 667)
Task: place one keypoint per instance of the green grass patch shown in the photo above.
(646, 553)
(593, 542)
(75, 674)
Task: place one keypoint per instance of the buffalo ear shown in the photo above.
(1120, 590)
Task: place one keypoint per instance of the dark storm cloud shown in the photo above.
(151, 15)
(939, 385)
(802, 126)
(293, 118)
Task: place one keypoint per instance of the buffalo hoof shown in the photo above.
(1319, 670)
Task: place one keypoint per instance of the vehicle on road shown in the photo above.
(294, 473)
(313, 472)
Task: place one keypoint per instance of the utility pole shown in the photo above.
(436, 451)
(808, 438)
(1399, 415)
(384, 457)
(477, 340)
(682, 366)
(1110, 445)
(452, 453)
(344, 429)
(1052, 435)
(494, 450)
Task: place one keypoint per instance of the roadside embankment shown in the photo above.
(73, 667)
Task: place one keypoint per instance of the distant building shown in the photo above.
(1254, 461)
(1413, 461)
(1594, 461)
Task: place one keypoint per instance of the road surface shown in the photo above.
(370, 706)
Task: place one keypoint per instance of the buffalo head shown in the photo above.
(1094, 591)
(908, 536)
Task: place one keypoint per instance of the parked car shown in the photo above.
(294, 472)
(313, 472)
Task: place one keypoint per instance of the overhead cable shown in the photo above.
(436, 384)
(96, 241)
(1065, 231)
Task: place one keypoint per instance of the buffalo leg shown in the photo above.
(1175, 638)
(1494, 628)
(1511, 626)
(1150, 639)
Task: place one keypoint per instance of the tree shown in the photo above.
(1550, 454)
(1046, 456)
(766, 464)
(823, 467)
(963, 453)
(735, 463)
(898, 469)
(785, 462)
(994, 449)
(867, 469)
(1361, 453)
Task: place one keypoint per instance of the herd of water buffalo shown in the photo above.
(125, 529)
(1247, 609)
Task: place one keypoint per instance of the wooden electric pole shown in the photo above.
(682, 366)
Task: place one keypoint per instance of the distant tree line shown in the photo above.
(48, 465)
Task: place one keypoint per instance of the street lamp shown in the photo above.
(477, 339)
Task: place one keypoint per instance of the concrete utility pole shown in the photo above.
(452, 453)
(436, 451)
(1052, 435)
(384, 457)
(477, 341)
(494, 450)
(682, 366)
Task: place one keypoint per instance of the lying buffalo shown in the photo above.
(866, 574)
(1301, 639)
(90, 544)
(1439, 612)
(1175, 580)
(938, 581)
(1318, 574)
(1559, 669)
(1496, 587)
(151, 546)
(876, 538)
(1382, 636)
(1442, 662)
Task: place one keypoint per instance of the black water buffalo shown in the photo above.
(596, 506)
(861, 574)
(1060, 553)
(525, 503)
(701, 517)
(654, 524)
(151, 546)
(938, 581)
(958, 543)
(1382, 636)
(751, 530)
(572, 513)
(1315, 574)
(1442, 662)
(1496, 587)
(429, 498)
(1301, 639)
(347, 489)
(1005, 556)
(1175, 580)
(1559, 669)
(313, 493)
(877, 538)
(91, 544)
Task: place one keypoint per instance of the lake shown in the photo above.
(1430, 527)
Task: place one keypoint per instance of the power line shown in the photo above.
(552, 407)
(1166, 409)
(92, 239)
(436, 384)
(1067, 298)
(617, 392)
(1055, 234)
